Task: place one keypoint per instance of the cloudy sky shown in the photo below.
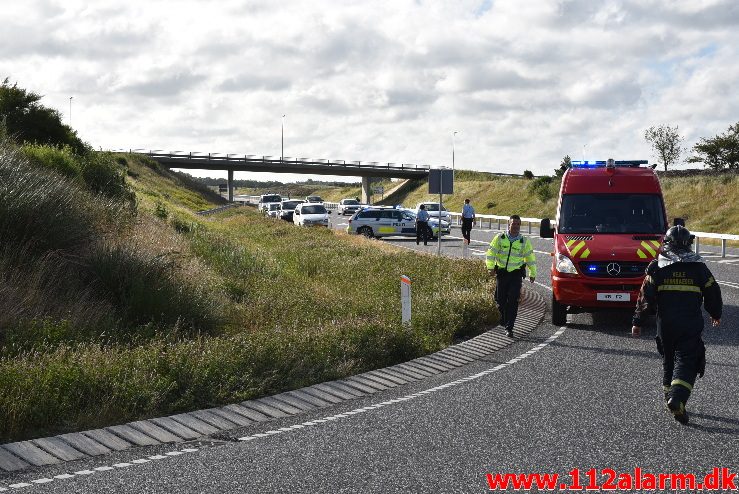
(523, 82)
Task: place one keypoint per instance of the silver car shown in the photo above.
(378, 222)
(349, 206)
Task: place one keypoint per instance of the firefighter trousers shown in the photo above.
(507, 293)
(683, 359)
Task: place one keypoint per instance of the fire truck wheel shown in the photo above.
(559, 313)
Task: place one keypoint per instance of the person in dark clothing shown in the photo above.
(678, 283)
(468, 219)
(422, 225)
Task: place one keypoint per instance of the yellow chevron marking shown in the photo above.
(577, 248)
(656, 243)
(569, 243)
(585, 254)
(641, 253)
(649, 248)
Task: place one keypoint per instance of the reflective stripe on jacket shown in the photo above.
(510, 257)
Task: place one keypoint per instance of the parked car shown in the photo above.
(265, 199)
(273, 210)
(287, 208)
(310, 214)
(384, 221)
(349, 206)
(432, 208)
(313, 199)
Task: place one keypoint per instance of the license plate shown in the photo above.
(613, 297)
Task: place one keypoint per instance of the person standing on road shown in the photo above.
(678, 282)
(508, 258)
(468, 219)
(422, 225)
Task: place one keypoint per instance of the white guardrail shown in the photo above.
(532, 223)
(502, 220)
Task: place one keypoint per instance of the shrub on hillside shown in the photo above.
(97, 171)
(541, 187)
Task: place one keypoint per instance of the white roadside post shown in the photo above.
(405, 298)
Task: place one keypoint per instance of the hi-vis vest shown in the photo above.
(510, 256)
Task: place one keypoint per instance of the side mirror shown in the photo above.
(678, 222)
(545, 229)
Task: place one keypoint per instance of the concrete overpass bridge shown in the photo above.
(251, 163)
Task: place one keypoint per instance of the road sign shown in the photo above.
(441, 181)
(378, 190)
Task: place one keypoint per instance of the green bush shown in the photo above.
(103, 175)
(541, 187)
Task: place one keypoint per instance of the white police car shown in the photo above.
(385, 221)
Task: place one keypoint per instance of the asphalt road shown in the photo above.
(584, 396)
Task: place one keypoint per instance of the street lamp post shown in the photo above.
(70, 110)
(282, 148)
(453, 134)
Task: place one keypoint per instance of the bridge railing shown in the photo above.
(250, 158)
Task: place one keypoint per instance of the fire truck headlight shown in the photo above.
(564, 265)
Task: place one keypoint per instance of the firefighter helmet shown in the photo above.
(678, 237)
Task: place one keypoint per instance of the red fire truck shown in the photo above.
(610, 224)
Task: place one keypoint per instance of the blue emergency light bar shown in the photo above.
(597, 164)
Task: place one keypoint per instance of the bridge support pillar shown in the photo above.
(230, 185)
(366, 191)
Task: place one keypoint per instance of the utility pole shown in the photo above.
(282, 148)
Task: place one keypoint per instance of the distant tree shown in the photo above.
(528, 174)
(566, 163)
(666, 142)
(28, 121)
(719, 152)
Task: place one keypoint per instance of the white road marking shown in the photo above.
(728, 283)
(426, 391)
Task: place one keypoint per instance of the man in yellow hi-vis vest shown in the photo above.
(509, 256)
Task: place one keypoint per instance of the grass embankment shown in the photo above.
(113, 310)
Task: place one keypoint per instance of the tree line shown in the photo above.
(720, 152)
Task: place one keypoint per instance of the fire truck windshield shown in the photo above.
(611, 213)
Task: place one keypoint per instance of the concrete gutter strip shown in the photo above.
(200, 423)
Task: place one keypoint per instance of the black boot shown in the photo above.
(678, 410)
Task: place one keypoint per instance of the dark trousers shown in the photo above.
(466, 228)
(682, 359)
(507, 292)
(422, 230)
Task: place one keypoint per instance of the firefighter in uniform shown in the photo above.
(509, 256)
(678, 283)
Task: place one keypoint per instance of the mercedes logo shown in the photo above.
(613, 269)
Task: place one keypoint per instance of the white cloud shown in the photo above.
(524, 83)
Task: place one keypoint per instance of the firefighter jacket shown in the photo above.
(504, 255)
(678, 285)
